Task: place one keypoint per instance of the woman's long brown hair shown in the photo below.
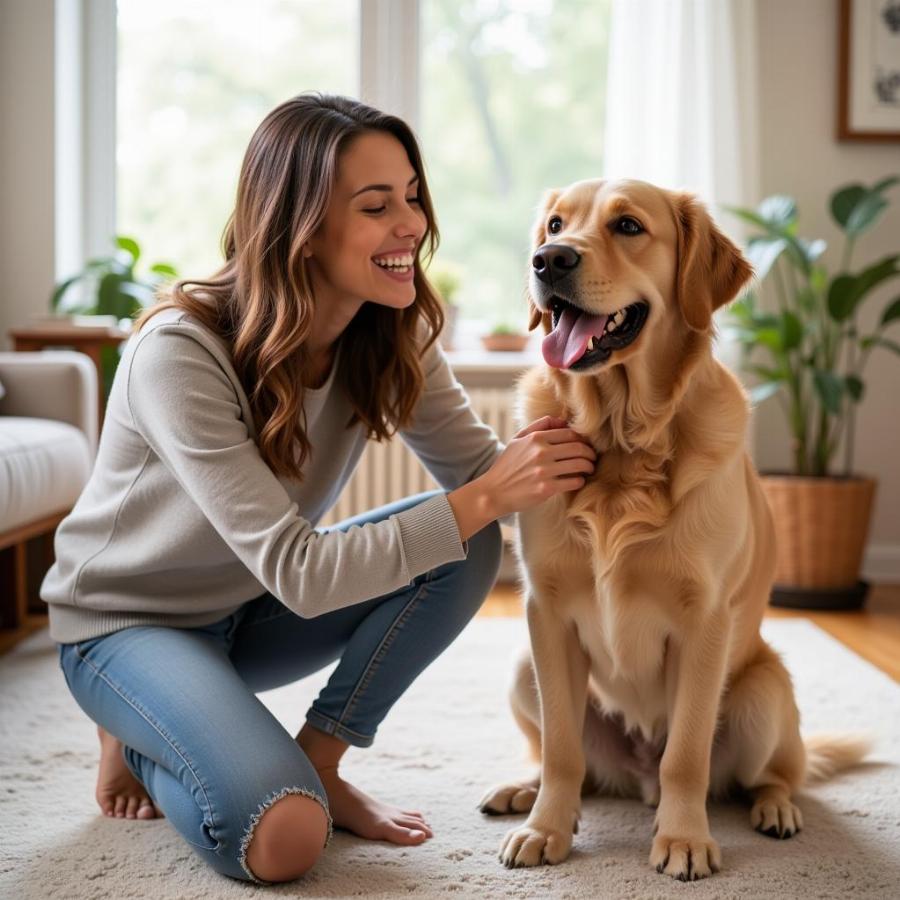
(261, 301)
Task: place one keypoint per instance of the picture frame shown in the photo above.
(869, 70)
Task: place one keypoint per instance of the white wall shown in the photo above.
(26, 161)
(799, 155)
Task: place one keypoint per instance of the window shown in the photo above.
(511, 100)
(512, 103)
(194, 81)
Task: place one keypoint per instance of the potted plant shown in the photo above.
(505, 337)
(112, 294)
(445, 278)
(814, 356)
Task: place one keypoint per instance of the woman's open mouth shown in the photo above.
(580, 340)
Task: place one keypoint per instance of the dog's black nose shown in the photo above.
(554, 261)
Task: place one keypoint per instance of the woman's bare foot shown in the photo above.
(367, 817)
(119, 793)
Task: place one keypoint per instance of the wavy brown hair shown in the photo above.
(261, 301)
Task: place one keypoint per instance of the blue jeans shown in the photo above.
(209, 753)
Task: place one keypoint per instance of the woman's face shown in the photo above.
(367, 243)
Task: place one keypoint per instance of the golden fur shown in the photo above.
(645, 589)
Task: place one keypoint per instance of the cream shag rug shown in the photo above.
(444, 743)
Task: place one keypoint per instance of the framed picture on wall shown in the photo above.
(869, 70)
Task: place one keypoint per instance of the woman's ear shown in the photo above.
(711, 268)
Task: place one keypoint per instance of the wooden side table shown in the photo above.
(88, 339)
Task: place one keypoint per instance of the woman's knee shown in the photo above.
(287, 839)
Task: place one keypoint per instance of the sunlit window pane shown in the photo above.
(512, 101)
(195, 79)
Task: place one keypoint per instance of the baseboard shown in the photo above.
(881, 564)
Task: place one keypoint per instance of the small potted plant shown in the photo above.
(445, 278)
(814, 357)
(505, 337)
(111, 294)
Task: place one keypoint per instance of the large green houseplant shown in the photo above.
(814, 356)
(110, 286)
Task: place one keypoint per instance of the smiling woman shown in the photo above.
(191, 574)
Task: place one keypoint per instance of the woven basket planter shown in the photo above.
(821, 526)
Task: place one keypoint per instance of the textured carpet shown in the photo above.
(443, 744)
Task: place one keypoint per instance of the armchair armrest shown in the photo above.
(51, 384)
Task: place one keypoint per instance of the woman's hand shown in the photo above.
(543, 459)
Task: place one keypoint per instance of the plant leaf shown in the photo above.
(830, 388)
(812, 249)
(791, 330)
(874, 341)
(845, 200)
(164, 269)
(881, 186)
(846, 291)
(779, 210)
(130, 246)
(61, 289)
(841, 297)
(760, 392)
(763, 252)
(865, 214)
(892, 312)
(855, 387)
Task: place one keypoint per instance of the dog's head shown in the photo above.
(622, 268)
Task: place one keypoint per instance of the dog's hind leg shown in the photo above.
(763, 747)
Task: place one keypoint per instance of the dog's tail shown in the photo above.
(828, 754)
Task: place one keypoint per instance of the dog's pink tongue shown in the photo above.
(567, 343)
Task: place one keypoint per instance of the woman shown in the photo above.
(189, 575)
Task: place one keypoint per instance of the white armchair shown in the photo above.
(48, 440)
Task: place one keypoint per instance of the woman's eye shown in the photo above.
(554, 226)
(628, 225)
(374, 211)
(416, 199)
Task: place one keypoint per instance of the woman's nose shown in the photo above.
(412, 224)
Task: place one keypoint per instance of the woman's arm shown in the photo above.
(186, 408)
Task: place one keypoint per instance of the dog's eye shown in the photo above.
(628, 225)
(554, 226)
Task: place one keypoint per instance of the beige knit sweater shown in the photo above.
(181, 521)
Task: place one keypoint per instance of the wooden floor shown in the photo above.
(873, 633)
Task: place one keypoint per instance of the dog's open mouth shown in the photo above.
(580, 340)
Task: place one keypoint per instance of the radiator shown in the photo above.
(390, 470)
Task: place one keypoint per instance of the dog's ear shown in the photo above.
(538, 237)
(711, 268)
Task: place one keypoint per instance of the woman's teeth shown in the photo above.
(395, 263)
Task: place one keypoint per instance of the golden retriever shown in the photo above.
(645, 589)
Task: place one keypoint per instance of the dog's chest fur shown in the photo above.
(581, 544)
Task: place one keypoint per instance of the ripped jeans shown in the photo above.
(209, 753)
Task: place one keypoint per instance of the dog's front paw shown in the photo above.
(686, 859)
(532, 845)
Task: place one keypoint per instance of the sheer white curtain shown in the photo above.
(681, 105)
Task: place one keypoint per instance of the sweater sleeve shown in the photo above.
(445, 433)
(186, 408)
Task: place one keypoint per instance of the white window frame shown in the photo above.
(85, 78)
